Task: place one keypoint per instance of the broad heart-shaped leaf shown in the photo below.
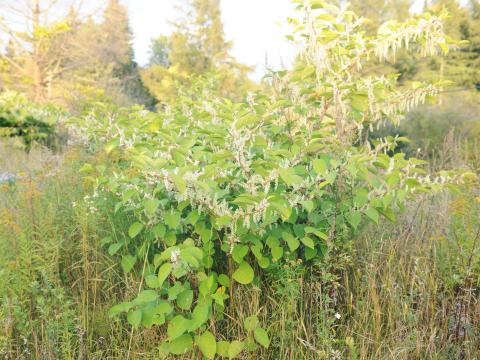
(224, 280)
(251, 323)
(151, 205)
(354, 218)
(316, 232)
(135, 229)
(146, 296)
(159, 230)
(235, 349)
(289, 177)
(262, 337)
(372, 214)
(152, 281)
(112, 249)
(207, 344)
(244, 274)
(239, 252)
(177, 327)
(172, 219)
(308, 242)
(119, 308)
(185, 299)
(291, 240)
(200, 314)
(128, 261)
(277, 252)
(309, 205)
(320, 166)
(310, 253)
(222, 348)
(163, 273)
(150, 317)
(181, 345)
(134, 317)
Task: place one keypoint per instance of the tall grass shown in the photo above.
(408, 290)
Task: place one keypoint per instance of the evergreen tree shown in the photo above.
(462, 67)
(116, 53)
(197, 47)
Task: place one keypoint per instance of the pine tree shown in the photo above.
(197, 47)
(116, 53)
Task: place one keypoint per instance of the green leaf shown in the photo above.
(262, 337)
(239, 252)
(185, 299)
(320, 166)
(207, 344)
(151, 205)
(373, 215)
(200, 313)
(181, 345)
(264, 262)
(308, 205)
(119, 308)
(361, 198)
(175, 290)
(277, 252)
(128, 261)
(151, 317)
(308, 242)
(354, 218)
(310, 253)
(163, 350)
(224, 280)
(187, 256)
(244, 274)
(164, 308)
(289, 177)
(316, 232)
(222, 348)
(152, 281)
(291, 240)
(235, 349)
(134, 317)
(163, 273)
(146, 296)
(135, 229)
(177, 327)
(444, 48)
(359, 102)
(172, 219)
(180, 184)
(113, 249)
(251, 323)
(159, 230)
(272, 242)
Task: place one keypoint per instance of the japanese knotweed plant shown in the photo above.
(218, 192)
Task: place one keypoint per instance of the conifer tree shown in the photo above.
(197, 47)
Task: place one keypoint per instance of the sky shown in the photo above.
(254, 26)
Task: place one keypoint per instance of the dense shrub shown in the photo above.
(29, 122)
(221, 194)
